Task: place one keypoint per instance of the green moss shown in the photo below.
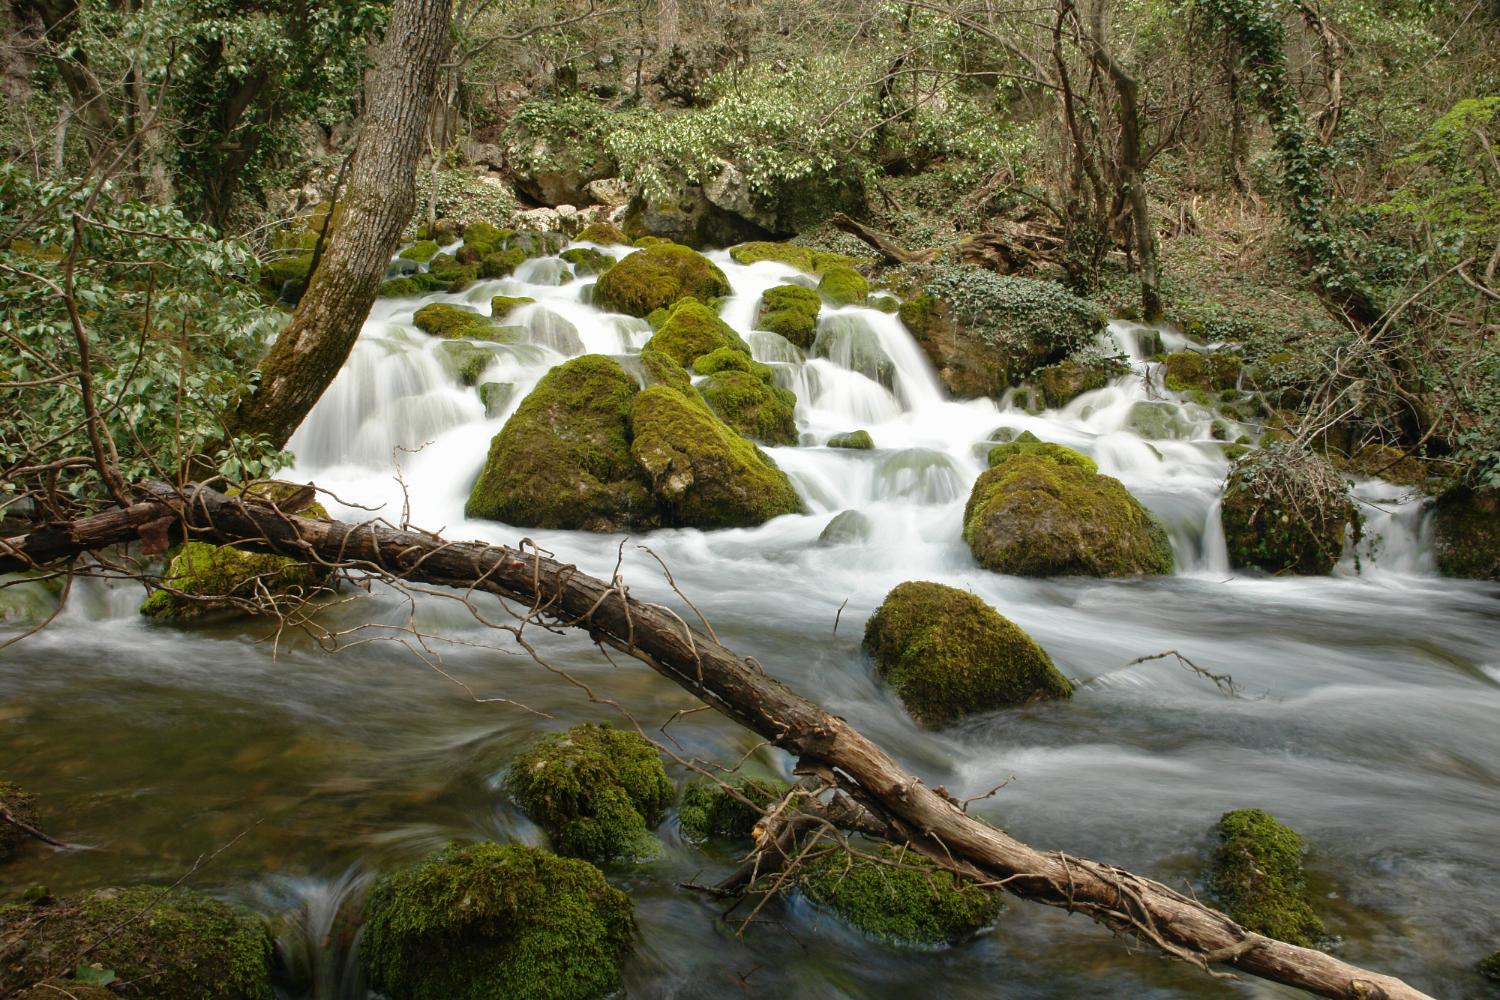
(451, 322)
(502, 306)
(1490, 967)
(753, 407)
(1466, 530)
(705, 474)
(496, 922)
(465, 361)
(692, 330)
(596, 790)
(447, 273)
(885, 303)
(604, 233)
(948, 654)
(1256, 873)
(484, 238)
(421, 251)
(658, 276)
(287, 276)
(844, 286)
(220, 575)
(725, 359)
(1205, 371)
(587, 260)
(661, 369)
(1065, 381)
(1027, 443)
(1286, 510)
(67, 989)
(859, 440)
(1032, 515)
(792, 311)
(563, 459)
(902, 898)
(500, 263)
(801, 257)
(170, 944)
(708, 810)
(22, 805)
(400, 288)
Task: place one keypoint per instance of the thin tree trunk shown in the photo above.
(666, 26)
(381, 197)
(1239, 136)
(739, 688)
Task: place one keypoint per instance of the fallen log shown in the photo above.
(887, 247)
(929, 819)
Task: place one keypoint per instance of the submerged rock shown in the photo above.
(1466, 529)
(496, 397)
(595, 790)
(846, 528)
(184, 944)
(1286, 510)
(1042, 510)
(1256, 873)
(901, 898)
(708, 810)
(656, 277)
(857, 440)
(465, 361)
(496, 922)
(948, 655)
(22, 805)
(792, 311)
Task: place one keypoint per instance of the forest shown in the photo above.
(506, 500)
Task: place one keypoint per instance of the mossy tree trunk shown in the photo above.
(380, 200)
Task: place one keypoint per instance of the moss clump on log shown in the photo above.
(658, 276)
(708, 810)
(1256, 873)
(497, 922)
(948, 654)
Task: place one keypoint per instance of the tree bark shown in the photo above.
(381, 197)
(929, 819)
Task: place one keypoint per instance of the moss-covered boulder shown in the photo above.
(1466, 533)
(691, 330)
(1489, 967)
(792, 311)
(401, 288)
(1040, 511)
(857, 440)
(495, 396)
(658, 276)
(1027, 443)
(500, 264)
(751, 405)
(708, 809)
(164, 944)
(604, 233)
(22, 805)
(804, 258)
(563, 459)
(898, 896)
(1204, 371)
(421, 251)
(847, 527)
(844, 286)
(451, 322)
(465, 361)
(287, 276)
(985, 332)
(1286, 510)
(596, 790)
(485, 238)
(502, 306)
(587, 260)
(1256, 874)
(728, 359)
(1065, 381)
(704, 473)
(447, 273)
(948, 654)
(496, 922)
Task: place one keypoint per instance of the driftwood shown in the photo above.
(929, 819)
(892, 251)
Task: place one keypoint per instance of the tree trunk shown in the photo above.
(928, 818)
(1239, 136)
(666, 26)
(381, 197)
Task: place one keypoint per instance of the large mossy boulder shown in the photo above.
(753, 406)
(1256, 874)
(496, 922)
(1286, 510)
(704, 473)
(1201, 371)
(898, 896)
(163, 944)
(22, 805)
(844, 286)
(691, 330)
(596, 790)
(948, 654)
(1466, 533)
(563, 459)
(792, 311)
(1043, 510)
(985, 332)
(709, 809)
(656, 277)
(451, 322)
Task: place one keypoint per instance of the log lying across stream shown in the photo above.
(928, 818)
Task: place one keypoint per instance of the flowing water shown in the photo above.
(1366, 715)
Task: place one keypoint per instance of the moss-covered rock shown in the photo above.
(451, 322)
(1205, 371)
(496, 396)
(658, 276)
(948, 654)
(692, 330)
(587, 260)
(596, 790)
(858, 440)
(1065, 381)
(22, 805)
(726, 359)
(401, 288)
(287, 276)
(447, 273)
(1027, 443)
(563, 459)
(792, 311)
(708, 810)
(502, 306)
(844, 286)
(1466, 533)
(704, 473)
(803, 258)
(661, 369)
(1489, 967)
(485, 238)
(752, 406)
(500, 264)
(421, 251)
(901, 898)
(496, 922)
(1256, 873)
(604, 233)
(885, 303)
(1035, 515)
(163, 944)
(847, 527)
(465, 361)
(1286, 510)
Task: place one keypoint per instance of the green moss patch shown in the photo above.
(1204, 371)
(595, 790)
(1065, 381)
(1027, 443)
(451, 322)
(502, 306)
(446, 273)
(287, 276)
(858, 440)
(214, 578)
(708, 810)
(844, 286)
(948, 654)
(792, 311)
(421, 251)
(692, 330)
(1466, 529)
(604, 233)
(496, 922)
(1256, 873)
(658, 276)
(1286, 510)
(803, 258)
(752, 406)
(587, 260)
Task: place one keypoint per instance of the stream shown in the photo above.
(1365, 718)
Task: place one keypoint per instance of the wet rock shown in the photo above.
(656, 277)
(792, 311)
(1158, 420)
(848, 341)
(604, 233)
(1466, 529)
(709, 811)
(496, 922)
(502, 306)
(442, 319)
(1068, 379)
(848, 527)
(22, 805)
(496, 396)
(947, 654)
(804, 258)
(587, 260)
(464, 361)
(1286, 510)
(1027, 443)
(596, 790)
(858, 440)
(1256, 873)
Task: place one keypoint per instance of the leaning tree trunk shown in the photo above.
(929, 819)
(381, 197)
